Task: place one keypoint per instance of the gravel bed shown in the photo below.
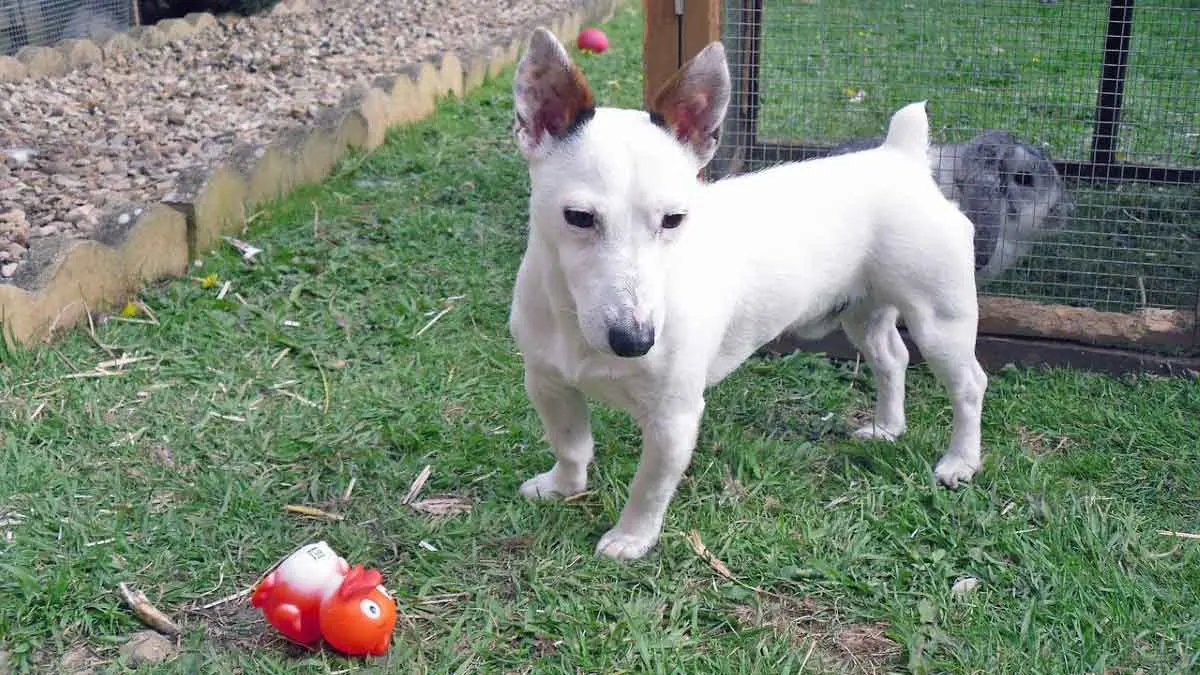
(77, 145)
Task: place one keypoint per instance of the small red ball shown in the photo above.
(592, 40)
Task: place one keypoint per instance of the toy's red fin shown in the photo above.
(359, 581)
(263, 591)
(289, 615)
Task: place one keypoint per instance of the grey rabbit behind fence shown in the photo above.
(1010, 191)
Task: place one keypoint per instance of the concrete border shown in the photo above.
(56, 287)
(42, 61)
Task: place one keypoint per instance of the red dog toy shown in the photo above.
(592, 40)
(315, 594)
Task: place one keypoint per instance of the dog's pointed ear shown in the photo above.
(550, 95)
(693, 102)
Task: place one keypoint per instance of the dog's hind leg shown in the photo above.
(873, 331)
(568, 427)
(946, 338)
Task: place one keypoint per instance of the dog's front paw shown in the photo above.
(553, 484)
(621, 545)
(882, 433)
(954, 469)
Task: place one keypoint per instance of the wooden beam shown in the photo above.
(701, 25)
(995, 353)
(1146, 327)
(668, 39)
(1025, 333)
(773, 151)
(660, 45)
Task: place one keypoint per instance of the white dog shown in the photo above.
(641, 286)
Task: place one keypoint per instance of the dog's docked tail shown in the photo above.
(909, 131)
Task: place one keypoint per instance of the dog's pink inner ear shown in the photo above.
(687, 106)
(552, 117)
(693, 101)
(685, 119)
(555, 96)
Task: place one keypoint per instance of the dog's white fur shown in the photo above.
(856, 240)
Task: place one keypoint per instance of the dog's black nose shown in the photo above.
(631, 340)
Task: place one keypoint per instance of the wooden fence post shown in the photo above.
(701, 25)
(674, 31)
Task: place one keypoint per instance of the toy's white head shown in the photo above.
(313, 568)
(611, 188)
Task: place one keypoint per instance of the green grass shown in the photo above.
(173, 476)
(832, 71)
(1028, 67)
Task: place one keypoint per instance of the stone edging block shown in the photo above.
(150, 36)
(43, 61)
(12, 70)
(211, 203)
(201, 20)
(80, 53)
(132, 250)
(450, 75)
(81, 275)
(67, 55)
(117, 44)
(176, 29)
(475, 70)
(266, 170)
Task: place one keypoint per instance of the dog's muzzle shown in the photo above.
(631, 340)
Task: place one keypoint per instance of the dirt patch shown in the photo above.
(866, 646)
(238, 626)
(513, 545)
(452, 412)
(544, 646)
(789, 418)
(858, 418)
(1041, 443)
(836, 646)
(731, 488)
(162, 455)
(78, 660)
(147, 647)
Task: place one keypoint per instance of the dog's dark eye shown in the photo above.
(672, 221)
(580, 219)
(1023, 178)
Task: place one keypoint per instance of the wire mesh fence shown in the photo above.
(46, 22)
(1069, 132)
